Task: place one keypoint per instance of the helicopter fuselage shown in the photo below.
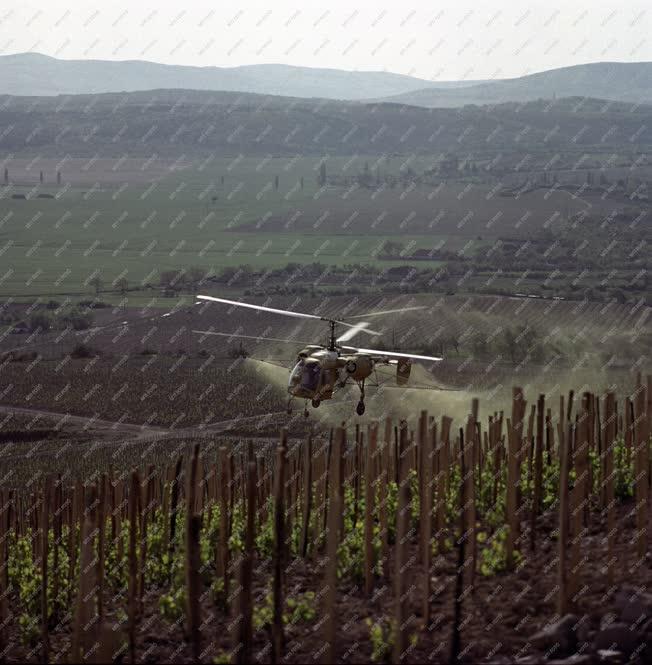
(319, 371)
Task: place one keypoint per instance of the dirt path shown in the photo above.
(145, 431)
(86, 422)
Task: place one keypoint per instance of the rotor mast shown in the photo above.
(331, 342)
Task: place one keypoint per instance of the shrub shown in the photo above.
(39, 321)
(84, 351)
(78, 320)
(239, 352)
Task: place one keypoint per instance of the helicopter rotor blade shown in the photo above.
(259, 338)
(272, 310)
(353, 331)
(393, 354)
(283, 312)
(387, 311)
(356, 327)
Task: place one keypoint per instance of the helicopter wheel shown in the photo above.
(306, 413)
(315, 403)
(360, 408)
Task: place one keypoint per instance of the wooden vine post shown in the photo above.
(5, 507)
(443, 482)
(222, 551)
(609, 442)
(574, 513)
(193, 527)
(134, 493)
(332, 540)
(84, 629)
(469, 506)
(427, 459)
(307, 490)
(538, 470)
(369, 508)
(278, 639)
(45, 530)
(401, 556)
(562, 541)
(101, 519)
(456, 639)
(384, 478)
(515, 436)
(641, 469)
(244, 620)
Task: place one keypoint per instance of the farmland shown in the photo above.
(280, 182)
(292, 550)
(159, 502)
(122, 227)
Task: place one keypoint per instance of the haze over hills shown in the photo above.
(36, 74)
(618, 81)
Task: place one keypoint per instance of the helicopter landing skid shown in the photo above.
(360, 407)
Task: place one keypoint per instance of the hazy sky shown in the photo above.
(432, 40)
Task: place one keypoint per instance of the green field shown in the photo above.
(131, 220)
(160, 219)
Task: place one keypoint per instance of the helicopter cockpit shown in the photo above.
(304, 377)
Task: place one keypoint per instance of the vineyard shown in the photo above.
(155, 390)
(147, 367)
(515, 538)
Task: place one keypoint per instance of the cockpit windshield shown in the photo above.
(305, 374)
(295, 375)
(310, 376)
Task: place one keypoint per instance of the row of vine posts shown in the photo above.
(306, 481)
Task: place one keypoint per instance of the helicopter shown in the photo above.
(320, 370)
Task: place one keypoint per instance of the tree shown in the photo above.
(479, 345)
(321, 178)
(239, 352)
(96, 283)
(122, 285)
(195, 278)
(520, 343)
(391, 248)
(78, 320)
(39, 321)
(171, 281)
(508, 344)
(453, 341)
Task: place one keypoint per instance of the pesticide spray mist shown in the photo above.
(440, 399)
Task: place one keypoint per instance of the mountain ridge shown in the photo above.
(35, 74)
(612, 81)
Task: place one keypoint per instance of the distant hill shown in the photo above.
(33, 74)
(619, 81)
(195, 123)
(36, 74)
